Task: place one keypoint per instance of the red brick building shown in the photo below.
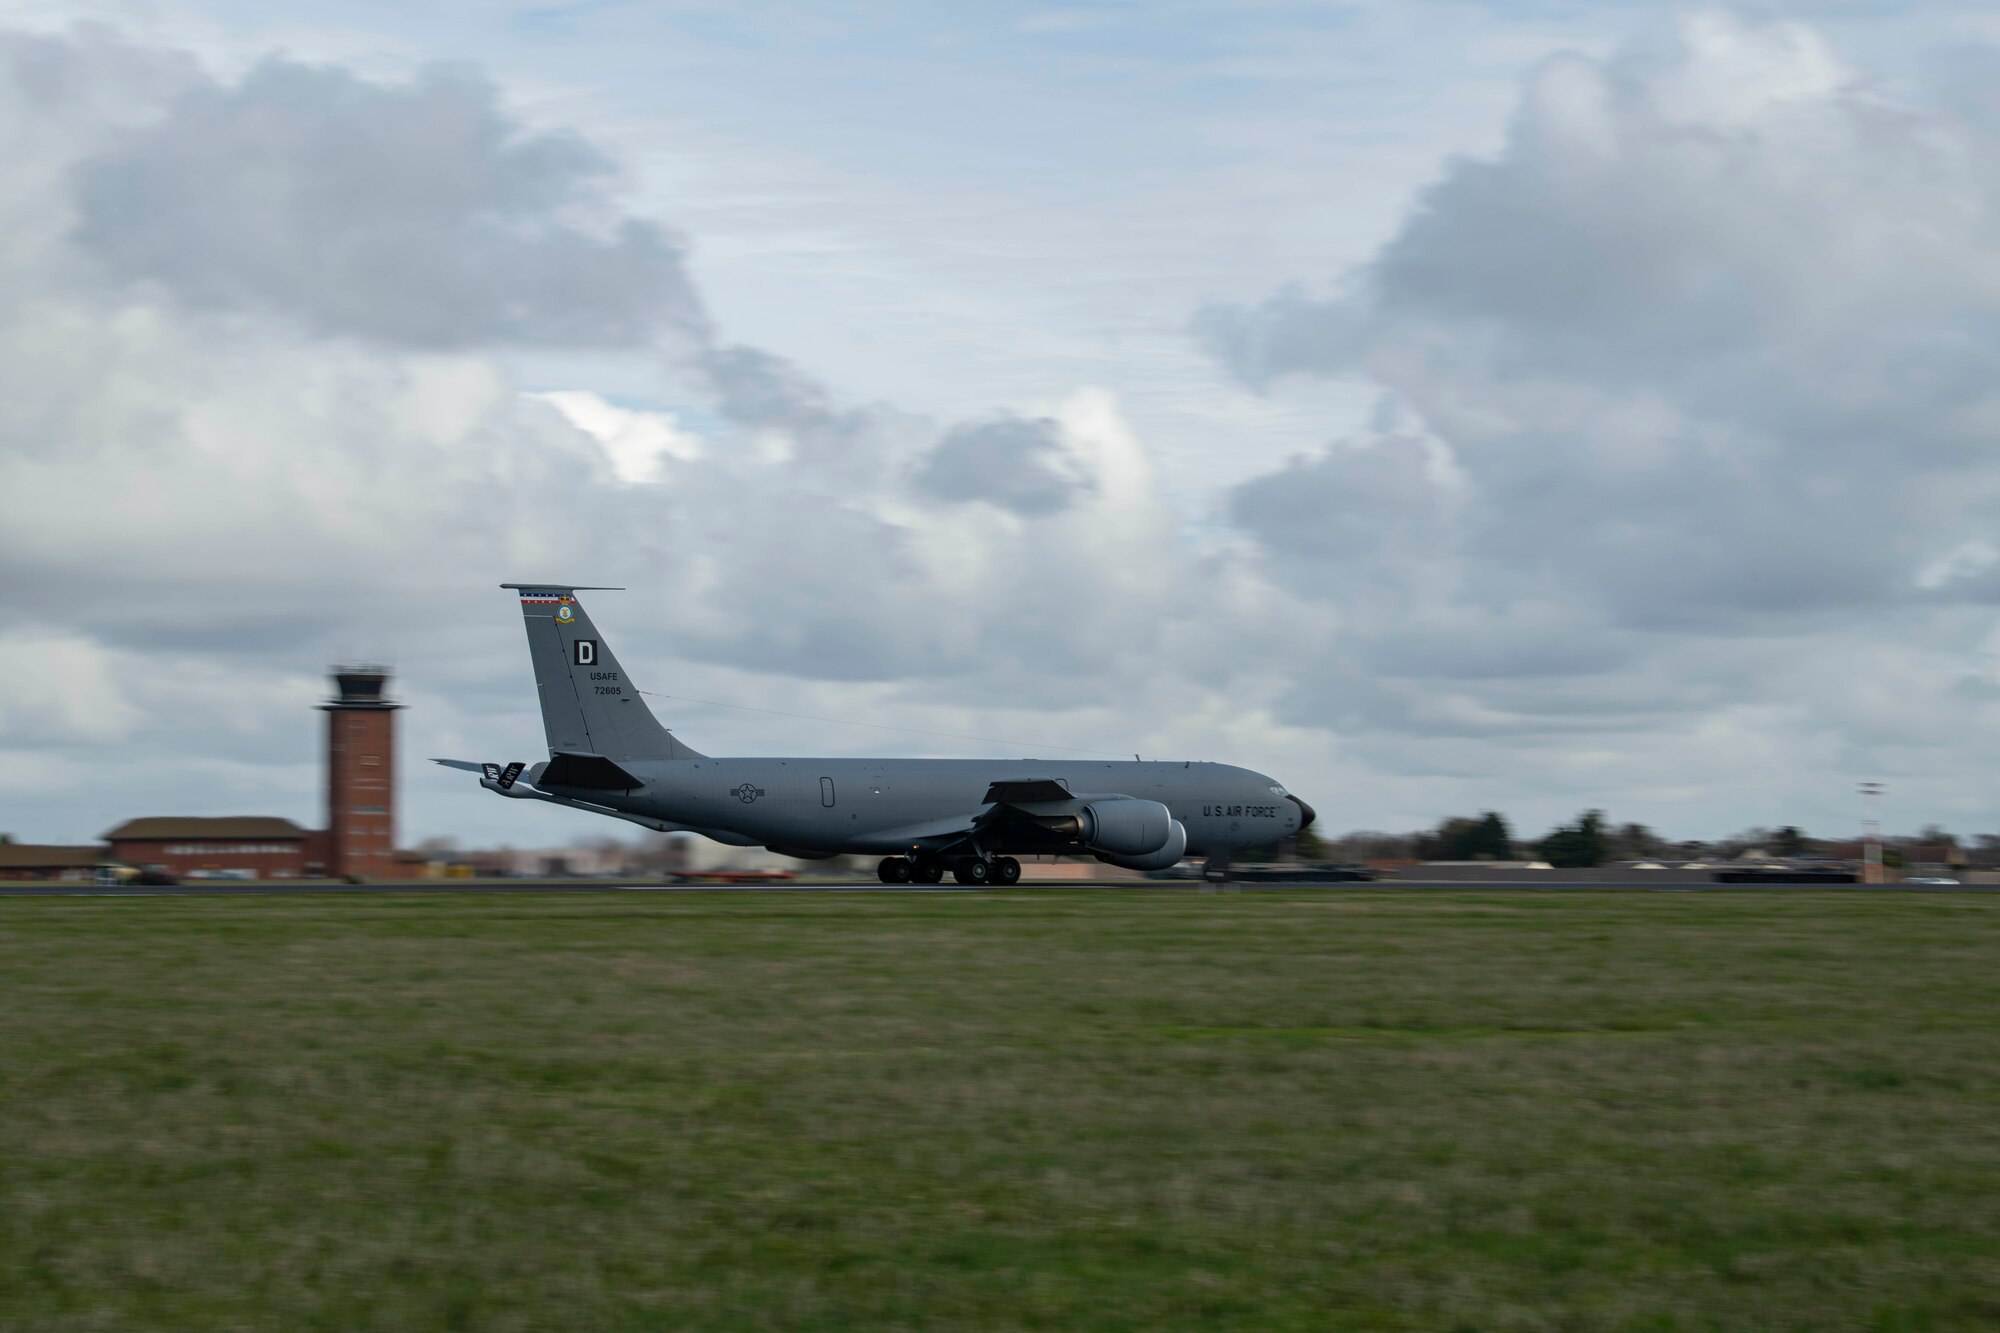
(25, 860)
(359, 839)
(251, 846)
(360, 835)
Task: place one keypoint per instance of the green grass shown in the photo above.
(1050, 1110)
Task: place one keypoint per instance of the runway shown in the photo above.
(46, 889)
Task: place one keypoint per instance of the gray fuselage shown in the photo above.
(894, 805)
(609, 755)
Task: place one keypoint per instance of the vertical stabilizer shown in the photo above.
(589, 704)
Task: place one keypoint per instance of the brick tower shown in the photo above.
(360, 775)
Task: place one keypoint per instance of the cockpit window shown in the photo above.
(1279, 791)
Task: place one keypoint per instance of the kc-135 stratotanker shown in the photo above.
(609, 755)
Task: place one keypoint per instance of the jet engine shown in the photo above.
(1124, 828)
(1168, 852)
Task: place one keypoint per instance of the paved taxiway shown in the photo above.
(33, 889)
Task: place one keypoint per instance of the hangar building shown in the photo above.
(255, 846)
(20, 860)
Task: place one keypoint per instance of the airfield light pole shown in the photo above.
(1871, 832)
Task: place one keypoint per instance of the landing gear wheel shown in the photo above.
(972, 870)
(1006, 870)
(893, 870)
(926, 871)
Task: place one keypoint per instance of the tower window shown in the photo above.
(371, 760)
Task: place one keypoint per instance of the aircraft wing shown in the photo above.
(1017, 802)
(932, 833)
(1024, 792)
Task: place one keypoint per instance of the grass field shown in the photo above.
(1053, 1110)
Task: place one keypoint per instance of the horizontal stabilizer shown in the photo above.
(592, 772)
(1025, 792)
(465, 764)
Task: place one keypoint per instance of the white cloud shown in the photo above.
(222, 468)
(415, 213)
(58, 688)
(638, 442)
(1677, 501)
(1966, 560)
(1704, 344)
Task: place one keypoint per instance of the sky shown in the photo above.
(1439, 406)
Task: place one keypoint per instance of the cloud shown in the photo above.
(60, 687)
(420, 214)
(638, 442)
(260, 347)
(1690, 407)
(1289, 333)
(760, 389)
(1371, 510)
(1014, 463)
(1677, 493)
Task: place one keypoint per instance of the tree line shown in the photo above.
(1591, 839)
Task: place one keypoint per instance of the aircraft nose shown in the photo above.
(1306, 813)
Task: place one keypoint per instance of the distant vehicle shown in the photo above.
(609, 755)
(1785, 874)
(153, 879)
(1930, 879)
(730, 876)
(1299, 873)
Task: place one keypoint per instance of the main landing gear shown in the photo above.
(975, 870)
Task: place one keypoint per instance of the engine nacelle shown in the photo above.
(1127, 828)
(1173, 850)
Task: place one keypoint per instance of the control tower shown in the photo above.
(360, 775)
